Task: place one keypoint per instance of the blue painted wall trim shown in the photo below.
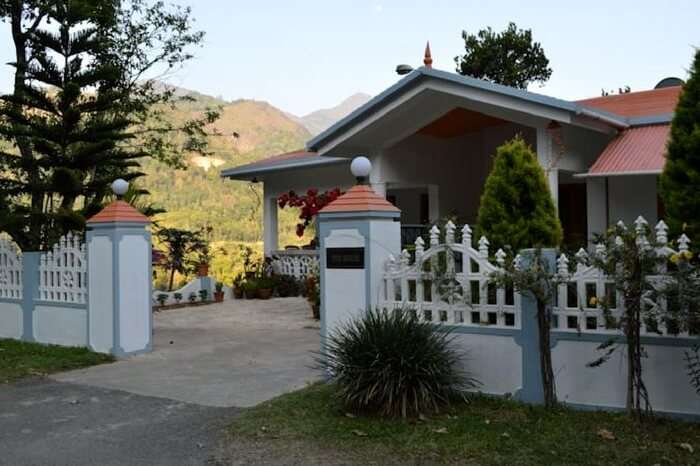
(30, 292)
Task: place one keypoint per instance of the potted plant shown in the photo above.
(264, 287)
(203, 252)
(250, 288)
(192, 297)
(238, 283)
(219, 292)
(162, 298)
(177, 297)
(204, 295)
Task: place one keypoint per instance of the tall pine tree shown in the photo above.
(85, 106)
(680, 179)
(516, 207)
(64, 114)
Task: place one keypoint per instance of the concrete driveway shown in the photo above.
(236, 353)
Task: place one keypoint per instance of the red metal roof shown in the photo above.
(638, 104)
(635, 150)
(360, 198)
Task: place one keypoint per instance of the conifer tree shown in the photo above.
(516, 206)
(681, 176)
(85, 107)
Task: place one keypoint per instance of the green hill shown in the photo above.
(197, 196)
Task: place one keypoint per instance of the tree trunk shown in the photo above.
(172, 279)
(544, 325)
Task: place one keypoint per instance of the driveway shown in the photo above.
(236, 353)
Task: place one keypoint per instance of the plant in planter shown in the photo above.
(219, 292)
(286, 286)
(204, 295)
(192, 297)
(265, 286)
(203, 252)
(250, 288)
(313, 292)
(162, 298)
(177, 297)
(238, 282)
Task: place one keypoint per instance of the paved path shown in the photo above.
(47, 423)
(167, 407)
(237, 353)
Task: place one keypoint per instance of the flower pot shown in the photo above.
(264, 293)
(316, 311)
(219, 296)
(238, 293)
(203, 270)
(250, 294)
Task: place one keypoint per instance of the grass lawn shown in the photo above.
(21, 359)
(486, 431)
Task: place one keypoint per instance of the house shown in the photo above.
(431, 137)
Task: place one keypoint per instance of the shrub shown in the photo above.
(516, 206)
(192, 297)
(203, 295)
(177, 297)
(392, 364)
(286, 286)
(162, 298)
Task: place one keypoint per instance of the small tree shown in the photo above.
(510, 57)
(653, 295)
(681, 175)
(180, 245)
(516, 205)
(540, 281)
(309, 205)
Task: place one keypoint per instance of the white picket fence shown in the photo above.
(295, 263)
(10, 270)
(449, 283)
(63, 272)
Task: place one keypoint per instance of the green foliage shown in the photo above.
(287, 286)
(516, 206)
(203, 295)
(509, 57)
(162, 298)
(681, 175)
(654, 293)
(192, 297)
(393, 364)
(535, 278)
(83, 108)
(487, 431)
(177, 297)
(182, 250)
(23, 359)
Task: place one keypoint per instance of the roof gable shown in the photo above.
(638, 104)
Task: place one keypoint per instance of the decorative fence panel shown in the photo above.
(10, 270)
(295, 263)
(448, 283)
(63, 272)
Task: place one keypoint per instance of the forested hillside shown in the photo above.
(195, 197)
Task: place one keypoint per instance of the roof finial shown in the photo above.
(428, 59)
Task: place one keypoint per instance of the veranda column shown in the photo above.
(270, 226)
(119, 279)
(358, 233)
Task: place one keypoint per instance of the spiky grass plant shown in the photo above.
(394, 365)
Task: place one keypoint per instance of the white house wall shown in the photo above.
(632, 196)
(459, 165)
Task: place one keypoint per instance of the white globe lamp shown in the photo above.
(120, 187)
(360, 168)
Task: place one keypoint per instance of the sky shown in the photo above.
(308, 54)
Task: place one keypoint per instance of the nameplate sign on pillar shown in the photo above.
(345, 258)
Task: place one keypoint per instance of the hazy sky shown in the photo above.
(305, 55)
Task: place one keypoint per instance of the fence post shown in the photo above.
(358, 233)
(532, 390)
(119, 281)
(30, 292)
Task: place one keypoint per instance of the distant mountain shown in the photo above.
(320, 120)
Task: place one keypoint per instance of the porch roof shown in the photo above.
(577, 112)
(635, 151)
(283, 162)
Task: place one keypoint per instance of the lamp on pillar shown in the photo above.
(120, 187)
(360, 168)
